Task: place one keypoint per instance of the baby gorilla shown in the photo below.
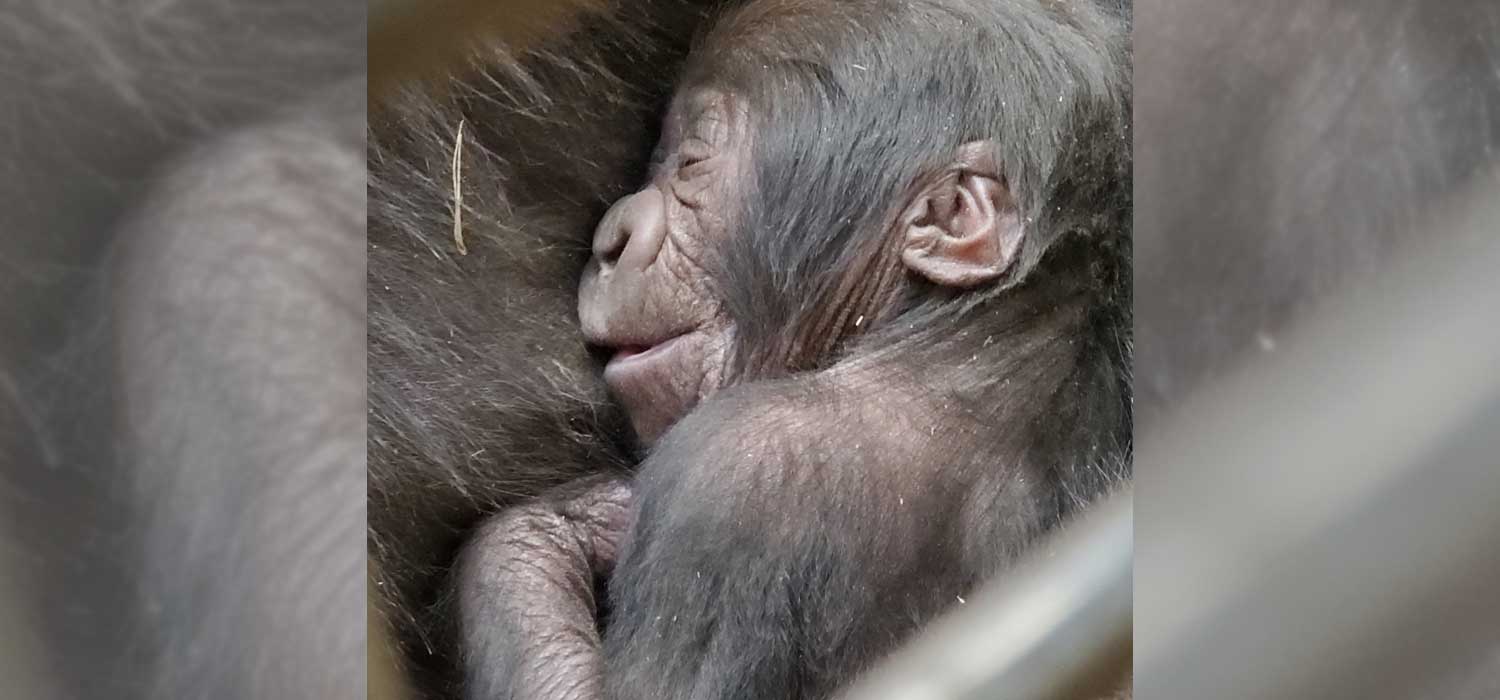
(870, 317)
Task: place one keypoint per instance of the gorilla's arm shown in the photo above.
(526, 589)
(752, 568)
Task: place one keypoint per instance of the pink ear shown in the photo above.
(962, 231)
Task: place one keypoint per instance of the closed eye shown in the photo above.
(693, 159)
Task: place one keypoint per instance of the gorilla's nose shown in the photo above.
(632, 231)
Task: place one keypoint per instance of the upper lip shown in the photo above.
(640, 342)
(630, 353)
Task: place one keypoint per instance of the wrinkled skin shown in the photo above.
(647, 295)
(533, 571)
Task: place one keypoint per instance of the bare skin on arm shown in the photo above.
(531, 576)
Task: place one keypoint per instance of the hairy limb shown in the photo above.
(526, 584)
(763, 564)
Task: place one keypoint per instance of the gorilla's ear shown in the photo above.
(964, 229)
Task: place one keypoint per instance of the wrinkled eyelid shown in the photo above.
(692, 170)
(695, 150)
(711, 126)
(710, 122)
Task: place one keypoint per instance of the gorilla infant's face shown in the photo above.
(648, 295)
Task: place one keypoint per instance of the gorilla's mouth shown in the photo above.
(626, 352)
(632, 353)
(658, 382)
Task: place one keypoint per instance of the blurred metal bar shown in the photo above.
(1057, 626)
(408, 38)
(1326, 523)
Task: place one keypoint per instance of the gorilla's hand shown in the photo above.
(526, 587)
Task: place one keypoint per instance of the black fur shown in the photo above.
(481, 389)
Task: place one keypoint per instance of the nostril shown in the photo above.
(614, 245)
(632, 231)
(611, 237)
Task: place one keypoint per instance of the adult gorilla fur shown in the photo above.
(481, 389)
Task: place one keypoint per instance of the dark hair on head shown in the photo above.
(851, 104)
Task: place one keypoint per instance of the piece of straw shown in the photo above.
(458, 191)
